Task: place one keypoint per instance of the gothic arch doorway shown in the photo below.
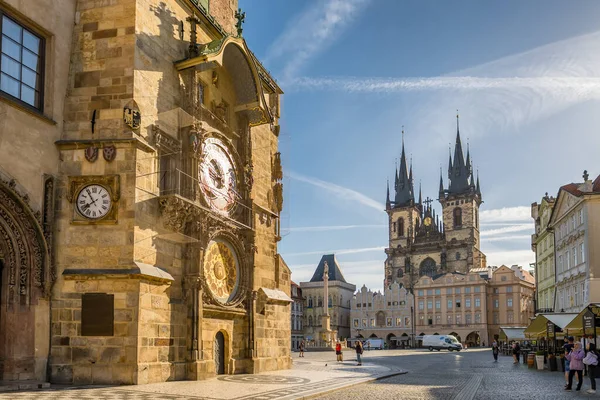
(24, 282)
(219, 353)
(427, 267)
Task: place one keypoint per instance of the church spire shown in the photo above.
(441, 192)
(459, 177)
(478, 188)
(404, 192)
(420, 195)
(387, 197)
(449, 161)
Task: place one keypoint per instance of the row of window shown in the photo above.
(571, 258)
(450, 304)
(400, 322)
(431, 292)
(296, 323)
(21, 61)
(572, 296)
(451, 319)
(570, 224)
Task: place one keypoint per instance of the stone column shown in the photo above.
(326, 288)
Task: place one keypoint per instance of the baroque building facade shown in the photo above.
(338, 302)
(575, 224)
(386, 315)
(143, 238)
(542, 244)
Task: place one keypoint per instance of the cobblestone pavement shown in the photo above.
(466, 375)
(316, 373)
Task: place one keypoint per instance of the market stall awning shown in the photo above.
(512, 333)
(537, 327)
(577, 323)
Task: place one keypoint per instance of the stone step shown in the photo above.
(10, 386)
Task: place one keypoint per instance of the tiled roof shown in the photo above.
(335, 273)
(573, 188)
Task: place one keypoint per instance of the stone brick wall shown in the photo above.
(77, 359)
(101, 74)
(224, 12)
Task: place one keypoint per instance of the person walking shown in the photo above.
(567, 348)
(575, 358)
(301, 348)
(338, 351)
(591, 360)
(516, 352)
(495, 350)
(359, 351)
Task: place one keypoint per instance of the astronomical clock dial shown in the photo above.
(217, 177)
(93, 202)
(427, 221)
(221, 271)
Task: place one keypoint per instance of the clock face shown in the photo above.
(427, 221)
(217, 177)
(221, 270)
(93, 202)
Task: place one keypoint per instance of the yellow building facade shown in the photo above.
(542, 243)
(152, 211)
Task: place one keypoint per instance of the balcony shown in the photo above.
(544, 310)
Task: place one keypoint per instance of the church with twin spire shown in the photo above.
(423, 242)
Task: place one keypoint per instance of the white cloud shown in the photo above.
(342, 192)
(311, 33)
(333, 228)
(506, 214)
(336, 252)
(508, 229)
(506, 238)
(518, 257)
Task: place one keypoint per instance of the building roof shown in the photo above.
(335, 273)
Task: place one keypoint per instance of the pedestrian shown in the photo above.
(483, 344)
(567, 348)
(302, 348)
(338, 351)
(516, 352)
(359, 351)
(591, 360)
(495, 351)
(575, 358)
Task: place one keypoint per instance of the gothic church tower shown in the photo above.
(460, 209)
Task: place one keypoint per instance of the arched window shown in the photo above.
(400, 227)
(320, 302)
(427, 268)
(400, 274)
(457, 217)
(310, 321)
(476, 218)
(310, 302)
(330, 302)
(380, 319)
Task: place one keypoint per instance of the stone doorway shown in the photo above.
(24, 307)
(220, 353)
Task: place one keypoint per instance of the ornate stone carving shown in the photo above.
(48, 222)
(109, 153)
(23, 243)
(91, 154)
(164, 141)
(277, 171)
(278, 196)
(176, 213)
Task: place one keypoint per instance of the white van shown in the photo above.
(439, 342)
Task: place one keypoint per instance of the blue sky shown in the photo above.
(524, 76)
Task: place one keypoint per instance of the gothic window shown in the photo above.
(310, 302)
(329, 302)
(320, 302)
(476, 218)
(457, 217)
(427, 268)
(394, 227)
(400, 227)
(310, 321)
(457, 255)
(381, 319)
(400, 273)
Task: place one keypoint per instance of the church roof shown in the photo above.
(335, 273)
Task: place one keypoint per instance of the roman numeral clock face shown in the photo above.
(93, 202)
(217, 177)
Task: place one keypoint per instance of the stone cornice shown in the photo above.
(76, 144)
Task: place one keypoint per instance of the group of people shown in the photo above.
(576, 359)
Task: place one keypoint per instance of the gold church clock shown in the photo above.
(217, 177)
(427, 221)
